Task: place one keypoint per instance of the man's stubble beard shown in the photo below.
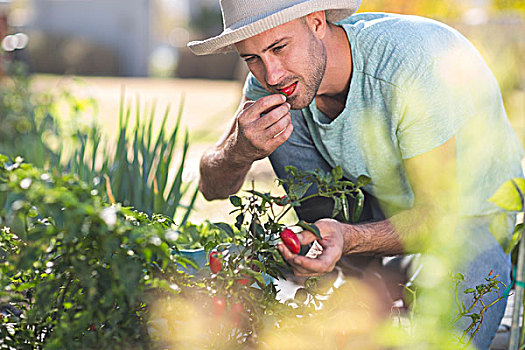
(311, 83)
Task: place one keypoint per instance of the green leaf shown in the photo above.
(260, 280)
(291, 170)
(363, 180)
(469, 290)
(236, 201)
(508, 195)
(516, 237)
(239, 220)
(299, 190)
(260, 265)
(337, 206)
(264, 196)
(224, 227)
(499, 227)
(310, 227)
(337, 173)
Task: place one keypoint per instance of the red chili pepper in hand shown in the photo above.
(215, 263)
(290, 240)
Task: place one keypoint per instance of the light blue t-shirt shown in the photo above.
(415, 84)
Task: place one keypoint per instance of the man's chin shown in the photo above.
(298, 104)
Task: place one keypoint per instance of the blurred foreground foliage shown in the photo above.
(74, 271)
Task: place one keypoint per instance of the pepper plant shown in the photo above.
(74, 271)
(241, 296)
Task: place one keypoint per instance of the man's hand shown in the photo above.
(333, 244)
(258, 128)
(261, 127)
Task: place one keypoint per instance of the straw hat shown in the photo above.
(243, 19)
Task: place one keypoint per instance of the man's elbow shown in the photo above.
(210, 193)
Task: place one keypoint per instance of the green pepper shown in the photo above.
(357, 208)
(344, 204)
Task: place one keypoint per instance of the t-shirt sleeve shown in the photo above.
(434, 106)
(253, 90)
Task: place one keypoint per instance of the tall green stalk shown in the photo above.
(139, 167)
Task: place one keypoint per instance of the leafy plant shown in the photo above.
(239, 301)
(75, 272)
(492, 285)
(25, 119)
(193, 236)
(137, 172)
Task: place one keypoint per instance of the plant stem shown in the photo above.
(518, 297)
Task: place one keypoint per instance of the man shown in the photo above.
(404, 100)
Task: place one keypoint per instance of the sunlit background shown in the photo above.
(86, 57)
(139, 46)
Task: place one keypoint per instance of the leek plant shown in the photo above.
(137, 171)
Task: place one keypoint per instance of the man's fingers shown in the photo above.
(247, 105)
(307, 267)
(278, 126)
(306, 237)
(276, 115)
(320, 265)
(264, 104)
(287, 254)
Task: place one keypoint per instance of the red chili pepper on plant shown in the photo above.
(290, 240)
(243, 281)
(215, 262)
(219, 305)
(236, 313)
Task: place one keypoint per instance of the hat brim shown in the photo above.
(224, 42)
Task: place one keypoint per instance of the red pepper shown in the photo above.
(215, 263)
(236, 313)
(287, 91)
(243, 281)
(290, 240)
(219, 305)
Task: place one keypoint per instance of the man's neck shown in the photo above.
(333, 92)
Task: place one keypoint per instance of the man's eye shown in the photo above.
(250, 59)
(278, 48)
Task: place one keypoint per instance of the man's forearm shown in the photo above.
(402, 233)
(220, 175)
(376, 238)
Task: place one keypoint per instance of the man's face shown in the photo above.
(288, 57)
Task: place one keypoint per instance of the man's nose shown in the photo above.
(274, 71)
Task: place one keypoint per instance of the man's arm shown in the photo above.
(251, 137)
(432, 177)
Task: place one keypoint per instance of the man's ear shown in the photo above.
(316, 21)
